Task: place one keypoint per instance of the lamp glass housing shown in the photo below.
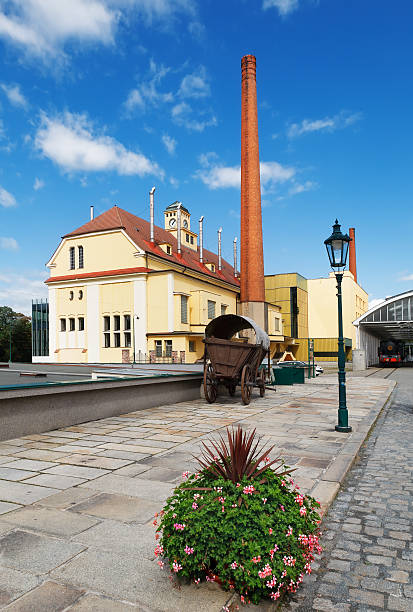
(337, 248)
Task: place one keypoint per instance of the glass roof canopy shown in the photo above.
(392, 318)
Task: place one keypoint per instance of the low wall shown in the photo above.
(35, 409)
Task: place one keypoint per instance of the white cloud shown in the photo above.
(42, 28)
(284, 7)
(14, 95)
(327, 124)
(134, 100)
(18, 290)
(170, 143)
(157, 10)
(174, 182)
(183, 115)
(38, 184)
(6, 198)
(408, 277)
(147, 93)
(216, 176)
(376, 301)
(301, 187)
(70, 142)
(8, 243)
(195, 85)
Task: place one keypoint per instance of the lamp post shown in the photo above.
(337, 250)
(133, 337)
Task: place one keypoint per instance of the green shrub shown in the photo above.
(257, 535)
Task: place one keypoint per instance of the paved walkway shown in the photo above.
(368, 559)
(77, 503)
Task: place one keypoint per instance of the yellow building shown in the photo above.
(118, 292)
(309, 310)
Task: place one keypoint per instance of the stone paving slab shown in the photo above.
(93, 534)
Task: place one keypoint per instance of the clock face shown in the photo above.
(172, 222)
(185, 223)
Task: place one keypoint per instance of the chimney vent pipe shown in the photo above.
(151, 204)
(201, 239)
(179, 227)
(92, 213)
(219, 249)
(235, 257)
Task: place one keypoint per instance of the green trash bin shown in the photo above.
(298, 375)
(284, 376)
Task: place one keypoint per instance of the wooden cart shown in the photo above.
(234, 361)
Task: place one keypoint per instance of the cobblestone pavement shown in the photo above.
(367, 562)
(76, 504)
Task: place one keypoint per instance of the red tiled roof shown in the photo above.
(139, 231)
(55, 279)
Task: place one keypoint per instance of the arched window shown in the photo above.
(80, 294)
(71, 295)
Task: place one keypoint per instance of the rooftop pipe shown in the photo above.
(201, 240)
(151, 205)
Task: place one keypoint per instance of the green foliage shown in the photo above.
(16, 326)
(257, 537)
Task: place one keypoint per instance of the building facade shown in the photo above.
(121, 290)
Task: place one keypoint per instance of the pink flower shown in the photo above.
(179, 526)
(283, 483)
(273, 550)
(234, 565)
(299, 499)
(249, 490)
(275, 596)
(267, 459)
(160, 563)
(270, 531)
(271, 583)
(264, 500)
(289, 560)
(185, 475)
(188, 550)
(155, 523)
(265, 571)
(303, 510)
(256, 559)
(289, 531)
(242, 599)
(176, 566)
(158, 550)
(282, 507)
(197, 580)
(194, 506)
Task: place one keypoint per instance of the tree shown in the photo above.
(15, 331)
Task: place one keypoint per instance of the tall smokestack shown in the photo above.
(201, 239)
(151, 205)
(352, 254)
(235, 256)
(252, 258)
(219, 249)
(92, 213)
(179, 227)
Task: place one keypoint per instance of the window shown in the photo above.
(107, 340)
(127, 339)
(277, 324)
(71, 295)
(158, 348)
(126, 322)
(81, 323)
(184, 309)
(106, 329)
(223, 309)
(71, 324)
(168, 250)
(72, 258)
(192, 346)
(106, 323)
(168, 348)
(211, 309)
(187, 237)
(116, 322)
(80, 295)
(116, 337)
(192, 240)
(62, 324)
(212, 267)
(80, 254)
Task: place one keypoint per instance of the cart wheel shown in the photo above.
(232, 387)
(210, 387)
(262, 383)
(246, 384)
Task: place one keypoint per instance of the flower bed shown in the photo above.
(240, 523)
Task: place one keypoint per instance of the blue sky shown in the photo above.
(102, 99)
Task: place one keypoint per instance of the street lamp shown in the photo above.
(337, 249)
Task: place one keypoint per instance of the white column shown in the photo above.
(140, 314)
(171, 317)
(92, 324)
(52, 325)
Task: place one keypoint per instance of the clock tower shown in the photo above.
(188, 238)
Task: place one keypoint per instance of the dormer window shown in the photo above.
(210, 266)
(168, 249)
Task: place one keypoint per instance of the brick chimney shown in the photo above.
(352, 254)
(252, 259)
